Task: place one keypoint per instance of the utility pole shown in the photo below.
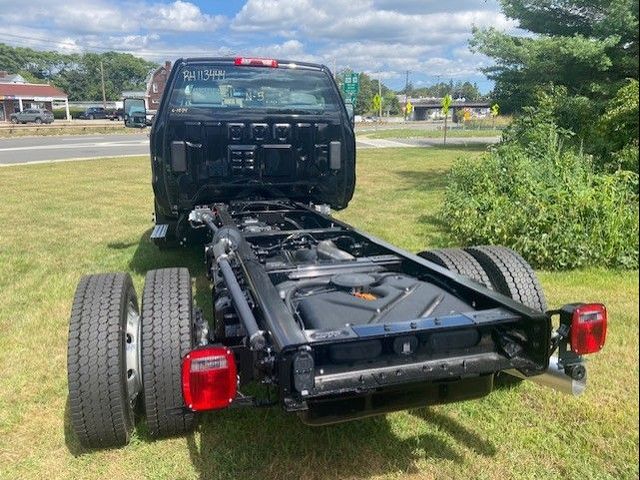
(104, 95)
(380, 105)
(406, 95)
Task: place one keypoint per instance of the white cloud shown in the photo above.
(383, 37)
(427, 37)
(181, 16)
(361, 20)
(76, 16)
(424, 7)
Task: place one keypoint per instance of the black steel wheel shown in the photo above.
(103, 361)
(167, 330)
(511, 275)
(458, 261)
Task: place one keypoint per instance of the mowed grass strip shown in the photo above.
(33, 130)
(418, 133)
(61, 221)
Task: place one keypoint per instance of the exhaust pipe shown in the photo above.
(556, 379)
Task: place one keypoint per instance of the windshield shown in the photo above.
(272, 90)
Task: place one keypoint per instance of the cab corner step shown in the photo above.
(160, 232)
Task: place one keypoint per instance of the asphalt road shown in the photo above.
(46, 149)
(22, 150)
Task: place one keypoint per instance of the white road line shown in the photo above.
(77, 145)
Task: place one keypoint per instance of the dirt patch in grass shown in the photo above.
(84, 217)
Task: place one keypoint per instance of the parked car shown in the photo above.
(93, 113)
(116, 114)
(36, 115)
(322, 319)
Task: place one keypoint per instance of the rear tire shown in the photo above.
(511, 275)
(38, 121)
(167, 329)
(458, 261)
(101, 380)
(14, 120)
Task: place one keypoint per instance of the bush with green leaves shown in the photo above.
(61, 114)
(618, 130)
(545, 200)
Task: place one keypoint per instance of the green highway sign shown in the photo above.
(351, 85)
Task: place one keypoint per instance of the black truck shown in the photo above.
(248, 157)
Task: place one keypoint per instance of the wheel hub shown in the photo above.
(133, 344)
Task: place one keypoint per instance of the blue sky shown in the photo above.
(381, 37)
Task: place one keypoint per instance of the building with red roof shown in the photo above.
(17, 95)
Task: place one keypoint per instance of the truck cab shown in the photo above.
(231, 128)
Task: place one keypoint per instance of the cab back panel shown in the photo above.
(207, 153)
(212, 161)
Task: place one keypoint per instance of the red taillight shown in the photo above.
(255, 62)
(209, 378)
(588, 328)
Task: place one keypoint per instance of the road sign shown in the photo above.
(351, 85)
(377, 102)
(409, 108)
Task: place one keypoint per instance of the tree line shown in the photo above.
(582, 57)
(78, 74)
(365, 101)
(467, 90)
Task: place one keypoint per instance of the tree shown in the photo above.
(618, 129)
(390, 102)
(446, 104)
(466, 90)
(588, 46)
(78, 74)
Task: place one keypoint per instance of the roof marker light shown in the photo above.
(255, 62)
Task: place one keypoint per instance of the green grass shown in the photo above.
(423, 133)
(33, 130)
(60, 221)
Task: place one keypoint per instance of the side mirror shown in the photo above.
(350, 113)
(135, 113)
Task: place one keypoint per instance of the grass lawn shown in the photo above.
(33, 130)
(424, 133)
(60, 221)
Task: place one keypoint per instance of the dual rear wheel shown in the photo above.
(498, 268)
(121, 361)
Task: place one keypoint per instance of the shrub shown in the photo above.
(544, 200)
(617, 130)
(61, 114)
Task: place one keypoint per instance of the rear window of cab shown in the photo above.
(273, 90)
